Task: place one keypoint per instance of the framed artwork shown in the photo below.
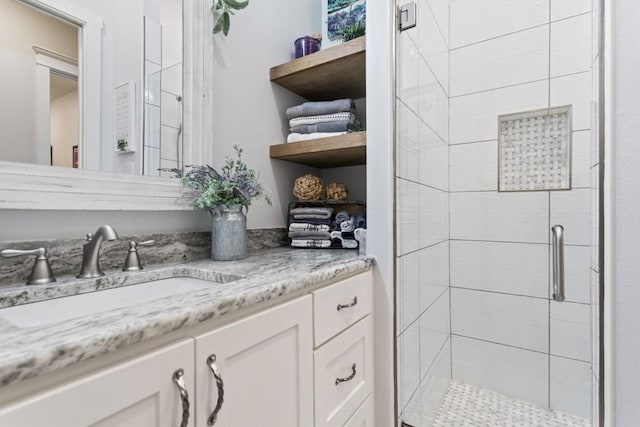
(340, 14)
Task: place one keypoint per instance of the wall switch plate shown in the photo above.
(407, 16)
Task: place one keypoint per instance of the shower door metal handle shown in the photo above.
(558, 262)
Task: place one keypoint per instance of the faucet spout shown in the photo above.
(91, 251)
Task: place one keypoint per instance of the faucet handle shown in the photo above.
(41, 272)
(132, 263)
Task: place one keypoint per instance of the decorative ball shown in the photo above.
(308, 187)
(337, 191)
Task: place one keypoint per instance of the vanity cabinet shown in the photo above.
(264, 369)
(264, 366)
(138, 393)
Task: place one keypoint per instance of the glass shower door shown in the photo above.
(496, 144)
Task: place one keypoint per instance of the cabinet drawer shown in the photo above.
(343, 370)
(365, 416)
(339, 306)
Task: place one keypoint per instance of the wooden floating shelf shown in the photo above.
(333, 152)
(334, 73)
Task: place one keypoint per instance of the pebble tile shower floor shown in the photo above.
(469, 406)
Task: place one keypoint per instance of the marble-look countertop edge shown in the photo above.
(28, 353)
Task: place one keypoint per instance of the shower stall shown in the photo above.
(497, 249)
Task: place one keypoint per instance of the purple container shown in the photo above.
(306, 45)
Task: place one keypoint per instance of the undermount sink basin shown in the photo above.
(61, 309)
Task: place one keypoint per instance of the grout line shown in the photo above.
(548, 22)
(421, 184)
(422, 120)
(500, 344)
(488, 291)
(548, 78)
(422, 312)
(421, 249)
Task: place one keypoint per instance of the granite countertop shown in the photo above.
(263, 276)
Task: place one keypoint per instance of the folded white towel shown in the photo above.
(297, 137)
(310, 243)
(324, 118)
(299, 226)
(349, 244)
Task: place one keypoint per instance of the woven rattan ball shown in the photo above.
(337, 191)
(308, 187)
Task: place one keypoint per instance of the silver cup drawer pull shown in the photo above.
(349, 378)
(352, 304)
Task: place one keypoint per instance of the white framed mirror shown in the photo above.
(113, 106)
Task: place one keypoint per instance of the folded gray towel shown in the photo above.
(322, 107)
(315, 235)
(334, 126)
(301, 243)
(317, 211)
(341, 217)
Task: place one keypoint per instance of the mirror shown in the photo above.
(93, 85)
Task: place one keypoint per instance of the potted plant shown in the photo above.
(227, 195)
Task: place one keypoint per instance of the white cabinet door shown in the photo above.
(137, 393)
(265, 364)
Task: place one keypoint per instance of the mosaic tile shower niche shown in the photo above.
(534, 150)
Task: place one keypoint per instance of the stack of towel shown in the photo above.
(313, 120)
(309, 227)
(343, 227)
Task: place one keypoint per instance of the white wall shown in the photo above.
(626, 229)
(248, 108)
(21, 28)
(422, 214)
(64, 128)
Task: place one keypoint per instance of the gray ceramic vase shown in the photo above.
(228, 234)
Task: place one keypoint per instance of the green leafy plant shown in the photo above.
(353, 31)
(234, 185)
(224, 9)
(122, 145)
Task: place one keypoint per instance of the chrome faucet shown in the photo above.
(91, 252)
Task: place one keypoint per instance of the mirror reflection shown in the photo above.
(47, 89)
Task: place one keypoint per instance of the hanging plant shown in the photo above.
(224, 9)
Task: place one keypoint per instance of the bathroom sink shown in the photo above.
(80, 305)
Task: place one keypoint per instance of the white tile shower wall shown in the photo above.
(434, 273)
(570, 330)
(434, 332)
(503, 217)
(500, 247)
(571, 50)
(515, 372)
(432, 45)
(425, 403)
(505, 61)
(570, 387)
(422, 214)
(476, 20)
(516, 321)
(474, 167)
(561, 9)
(509, 268)
(475, 117)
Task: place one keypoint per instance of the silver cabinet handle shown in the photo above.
(178, 379)
(211, 362)
(558, 262)
(353, 303)
(349, 378)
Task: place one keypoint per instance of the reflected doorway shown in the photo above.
(63, 113)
